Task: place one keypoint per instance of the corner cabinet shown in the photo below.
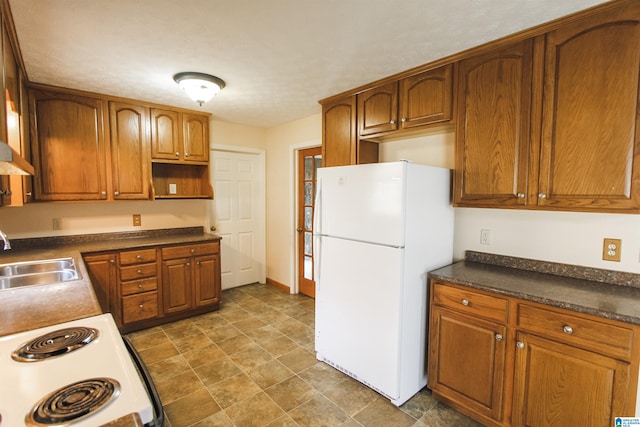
(509, 362)
(339, 132)
(553, 122)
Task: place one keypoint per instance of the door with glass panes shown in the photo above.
(309, 160)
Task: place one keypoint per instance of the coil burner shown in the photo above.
(73, 402)
(55, 343)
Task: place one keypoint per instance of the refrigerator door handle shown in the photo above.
(317, 240)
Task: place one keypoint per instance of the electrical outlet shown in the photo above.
(611, 249)
(485, 237)
(56, 223)
(137, 220)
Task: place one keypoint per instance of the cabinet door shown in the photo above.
(195, 138)
(467, 361)
(206, 280)
(557, 384)
(69, 147)
(165, 134)
(591, 122)
(102, 271)
(378, 109)
(426, 98)
(176, 285)
(339, 132)
(129, 126)
(492, 135)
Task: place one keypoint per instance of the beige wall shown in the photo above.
(281, 142)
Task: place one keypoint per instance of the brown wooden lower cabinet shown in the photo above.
(146, 287)
(509, 362)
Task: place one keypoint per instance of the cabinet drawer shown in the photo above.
(137, 271)
(590, 334)
(138, 286)
(137, 256)
(139, 307)
(190, 250)
(471, 302)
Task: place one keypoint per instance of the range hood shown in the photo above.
(12, 163)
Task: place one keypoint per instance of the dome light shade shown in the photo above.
(199, 86)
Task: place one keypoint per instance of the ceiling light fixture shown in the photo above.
(199, 86)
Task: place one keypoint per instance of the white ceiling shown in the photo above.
(278, 57)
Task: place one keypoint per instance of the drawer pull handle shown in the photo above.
(567, 329)
(139, 271)
(520, 344)
(193, 250)
(465, 302)
(140, 286)
(138, 257)
(498, 337)
(141, 305)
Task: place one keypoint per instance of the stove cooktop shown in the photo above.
(103, 358)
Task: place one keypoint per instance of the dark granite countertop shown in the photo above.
(603, 293)
(32, 307)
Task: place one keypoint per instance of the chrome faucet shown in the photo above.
(7, 243)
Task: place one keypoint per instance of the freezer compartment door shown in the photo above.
(363, 202)
(357, 311)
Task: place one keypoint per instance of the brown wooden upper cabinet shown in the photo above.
(178, 136)
(556, 128)
(339, 132)
(492, 134)
(590, 116)
(420, 99)
(68, 133)
(129, 125)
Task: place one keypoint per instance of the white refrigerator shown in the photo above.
(378, 229)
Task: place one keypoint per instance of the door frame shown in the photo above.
(293, 218)
(261, 242)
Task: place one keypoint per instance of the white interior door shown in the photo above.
(238, 215)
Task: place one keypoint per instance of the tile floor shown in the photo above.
(252, 363)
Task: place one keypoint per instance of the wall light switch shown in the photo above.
(612, 249)
(56, 223)
(137, 220)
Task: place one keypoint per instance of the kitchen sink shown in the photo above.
(39, 272)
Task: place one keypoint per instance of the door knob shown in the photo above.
(213, 228)
(299, 230)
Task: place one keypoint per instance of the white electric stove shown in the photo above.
(75, 374)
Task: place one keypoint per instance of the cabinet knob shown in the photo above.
(139, 271)
(465, 302)
(112, 261)
(103, 193)
(393, 122)
(177, 154)
(186, 154)
(520, 195)
(520, 344)
(28, 194)
(141, 305)
(193, 250)
(542, 196)
(139, 286)
(498, 337)
(138, 256)
(404, 119)
(567, 329)
(188, 264)
(116, 193)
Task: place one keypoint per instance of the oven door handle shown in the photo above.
(158, 421)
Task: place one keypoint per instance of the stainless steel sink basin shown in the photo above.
(39, 272)
(40, 266)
